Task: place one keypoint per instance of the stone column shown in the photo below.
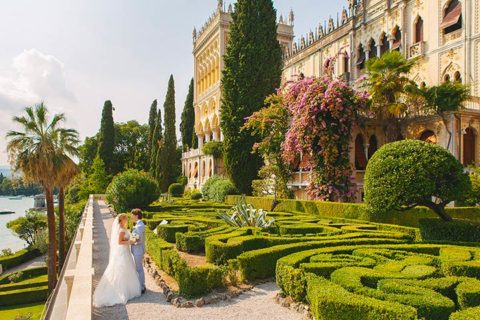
(207, 136)
(200, 141)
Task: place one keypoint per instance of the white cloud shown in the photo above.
(33, 77)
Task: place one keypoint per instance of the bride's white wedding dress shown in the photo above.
(119, 282)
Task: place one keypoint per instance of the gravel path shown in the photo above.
(252, 305)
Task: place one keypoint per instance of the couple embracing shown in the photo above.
(123, 278)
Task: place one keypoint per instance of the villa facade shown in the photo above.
(209, 46)
(442, 35)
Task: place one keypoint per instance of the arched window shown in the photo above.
(372, 146)
(457, 76)
(360, 158)
(428, 136)
(385, 44)
(469, 141)
(373, 49)
(204, 171)
(210, 172)
(361, 57)
(452, 17)
(397, 39)
(346, 63)
(418, 30)
(446, 78)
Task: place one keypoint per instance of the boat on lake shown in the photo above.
(15, 198)
(5, 211)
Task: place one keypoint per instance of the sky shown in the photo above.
(74, 55)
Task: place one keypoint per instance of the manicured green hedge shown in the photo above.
(197, 281)
(27, 292)
(408, 218)
(18, 258)
(457, 230)
(27, 295)
(467, 314)
(176, 189)
(194, 241)
(261, 263)
(331, 301)
(168, 231)
(192, 281)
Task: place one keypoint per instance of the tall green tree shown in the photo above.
(88, 151)
(253, 67)
(131, 147)
(152, 118)
(169, 148)
(106, 137)
(188, 119)
(155, 143)
(34, 150)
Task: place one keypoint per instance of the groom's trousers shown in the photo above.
(139, 266)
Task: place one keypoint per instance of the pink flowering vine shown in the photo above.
(323, 112)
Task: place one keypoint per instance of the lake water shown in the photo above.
(7, 238)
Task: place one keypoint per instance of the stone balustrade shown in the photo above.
(72, 298)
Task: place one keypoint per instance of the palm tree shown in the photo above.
(35, 152)
(67, 142)
(390, 90)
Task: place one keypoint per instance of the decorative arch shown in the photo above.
(418, 29)
(428, 136)
(384, 43)
(360, 157)
(397, 38)
(452, 17)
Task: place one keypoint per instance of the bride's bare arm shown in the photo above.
(121, 238)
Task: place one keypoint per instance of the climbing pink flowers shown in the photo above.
(323, 112)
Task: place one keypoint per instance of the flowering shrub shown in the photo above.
(323, 112)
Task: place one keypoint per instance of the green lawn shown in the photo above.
(9, 313)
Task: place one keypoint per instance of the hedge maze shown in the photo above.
(345, 269)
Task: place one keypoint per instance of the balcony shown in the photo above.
(416, 50)
(452, 36)
(473, 104)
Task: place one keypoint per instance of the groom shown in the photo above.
(138, 248)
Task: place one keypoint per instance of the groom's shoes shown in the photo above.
(144, 290)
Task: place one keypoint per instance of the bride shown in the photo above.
(120, 281)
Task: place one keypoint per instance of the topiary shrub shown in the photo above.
(410, 173)
(216, 188)
(132, 189)
(456, 230)
(176, 189)
(196, 196)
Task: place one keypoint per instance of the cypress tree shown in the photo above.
(188, 119)
(154, 146)
(168, 150)
(152, 118)
(106, 137)
(253, 66)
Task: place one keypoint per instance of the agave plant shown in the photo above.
(245, 215)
